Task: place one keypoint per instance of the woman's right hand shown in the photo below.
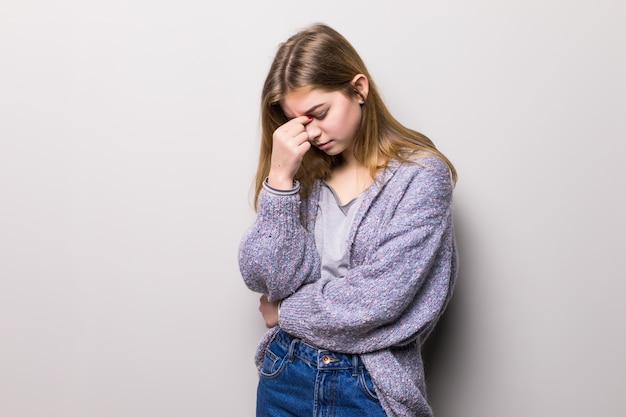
(290, 143)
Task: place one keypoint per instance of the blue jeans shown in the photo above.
(299, 380)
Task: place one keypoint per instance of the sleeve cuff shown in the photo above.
(294, 190)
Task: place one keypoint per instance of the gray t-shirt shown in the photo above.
(332, 227)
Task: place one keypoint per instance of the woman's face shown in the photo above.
(335, 117)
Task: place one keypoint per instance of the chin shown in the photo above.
(333, 150)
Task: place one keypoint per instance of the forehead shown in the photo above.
(299, 102)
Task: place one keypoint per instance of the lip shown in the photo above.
(325, 145)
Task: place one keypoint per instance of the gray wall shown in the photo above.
(128, 143)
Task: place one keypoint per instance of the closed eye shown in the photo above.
(321, 115)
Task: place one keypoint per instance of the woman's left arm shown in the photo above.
(402, 284)
(277, 254)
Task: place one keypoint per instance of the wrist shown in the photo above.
(280, 181)
(283, 185)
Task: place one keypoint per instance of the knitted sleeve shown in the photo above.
(402, 277)
(277, 254)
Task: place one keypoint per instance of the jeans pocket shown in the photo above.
(366, 384)
(274, 360)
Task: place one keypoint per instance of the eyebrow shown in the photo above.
(309, 111)
(312, 109)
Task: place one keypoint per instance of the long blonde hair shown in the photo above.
(319, 57)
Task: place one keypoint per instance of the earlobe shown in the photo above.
(361, 85)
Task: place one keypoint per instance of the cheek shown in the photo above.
(353, 119)
(347, 123)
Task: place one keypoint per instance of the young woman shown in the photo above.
(353, 245)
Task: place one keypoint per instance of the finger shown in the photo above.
(302, 137)
(299, 121)
(306, 145)
(287, 132)
(296, 129)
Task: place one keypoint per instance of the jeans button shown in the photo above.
(326, 359)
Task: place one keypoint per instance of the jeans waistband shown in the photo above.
(321, 358)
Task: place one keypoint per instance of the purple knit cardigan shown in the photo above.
(403, 266)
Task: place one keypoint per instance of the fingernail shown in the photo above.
(310, 117)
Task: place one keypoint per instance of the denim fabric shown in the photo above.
(299, 380)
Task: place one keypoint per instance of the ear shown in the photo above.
(362, 85)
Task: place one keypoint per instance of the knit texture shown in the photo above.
(403, 266)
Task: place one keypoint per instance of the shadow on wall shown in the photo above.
(445, 351)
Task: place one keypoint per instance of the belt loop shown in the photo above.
(355, 365)
(292, 347)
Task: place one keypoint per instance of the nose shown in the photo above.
(313, 130)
